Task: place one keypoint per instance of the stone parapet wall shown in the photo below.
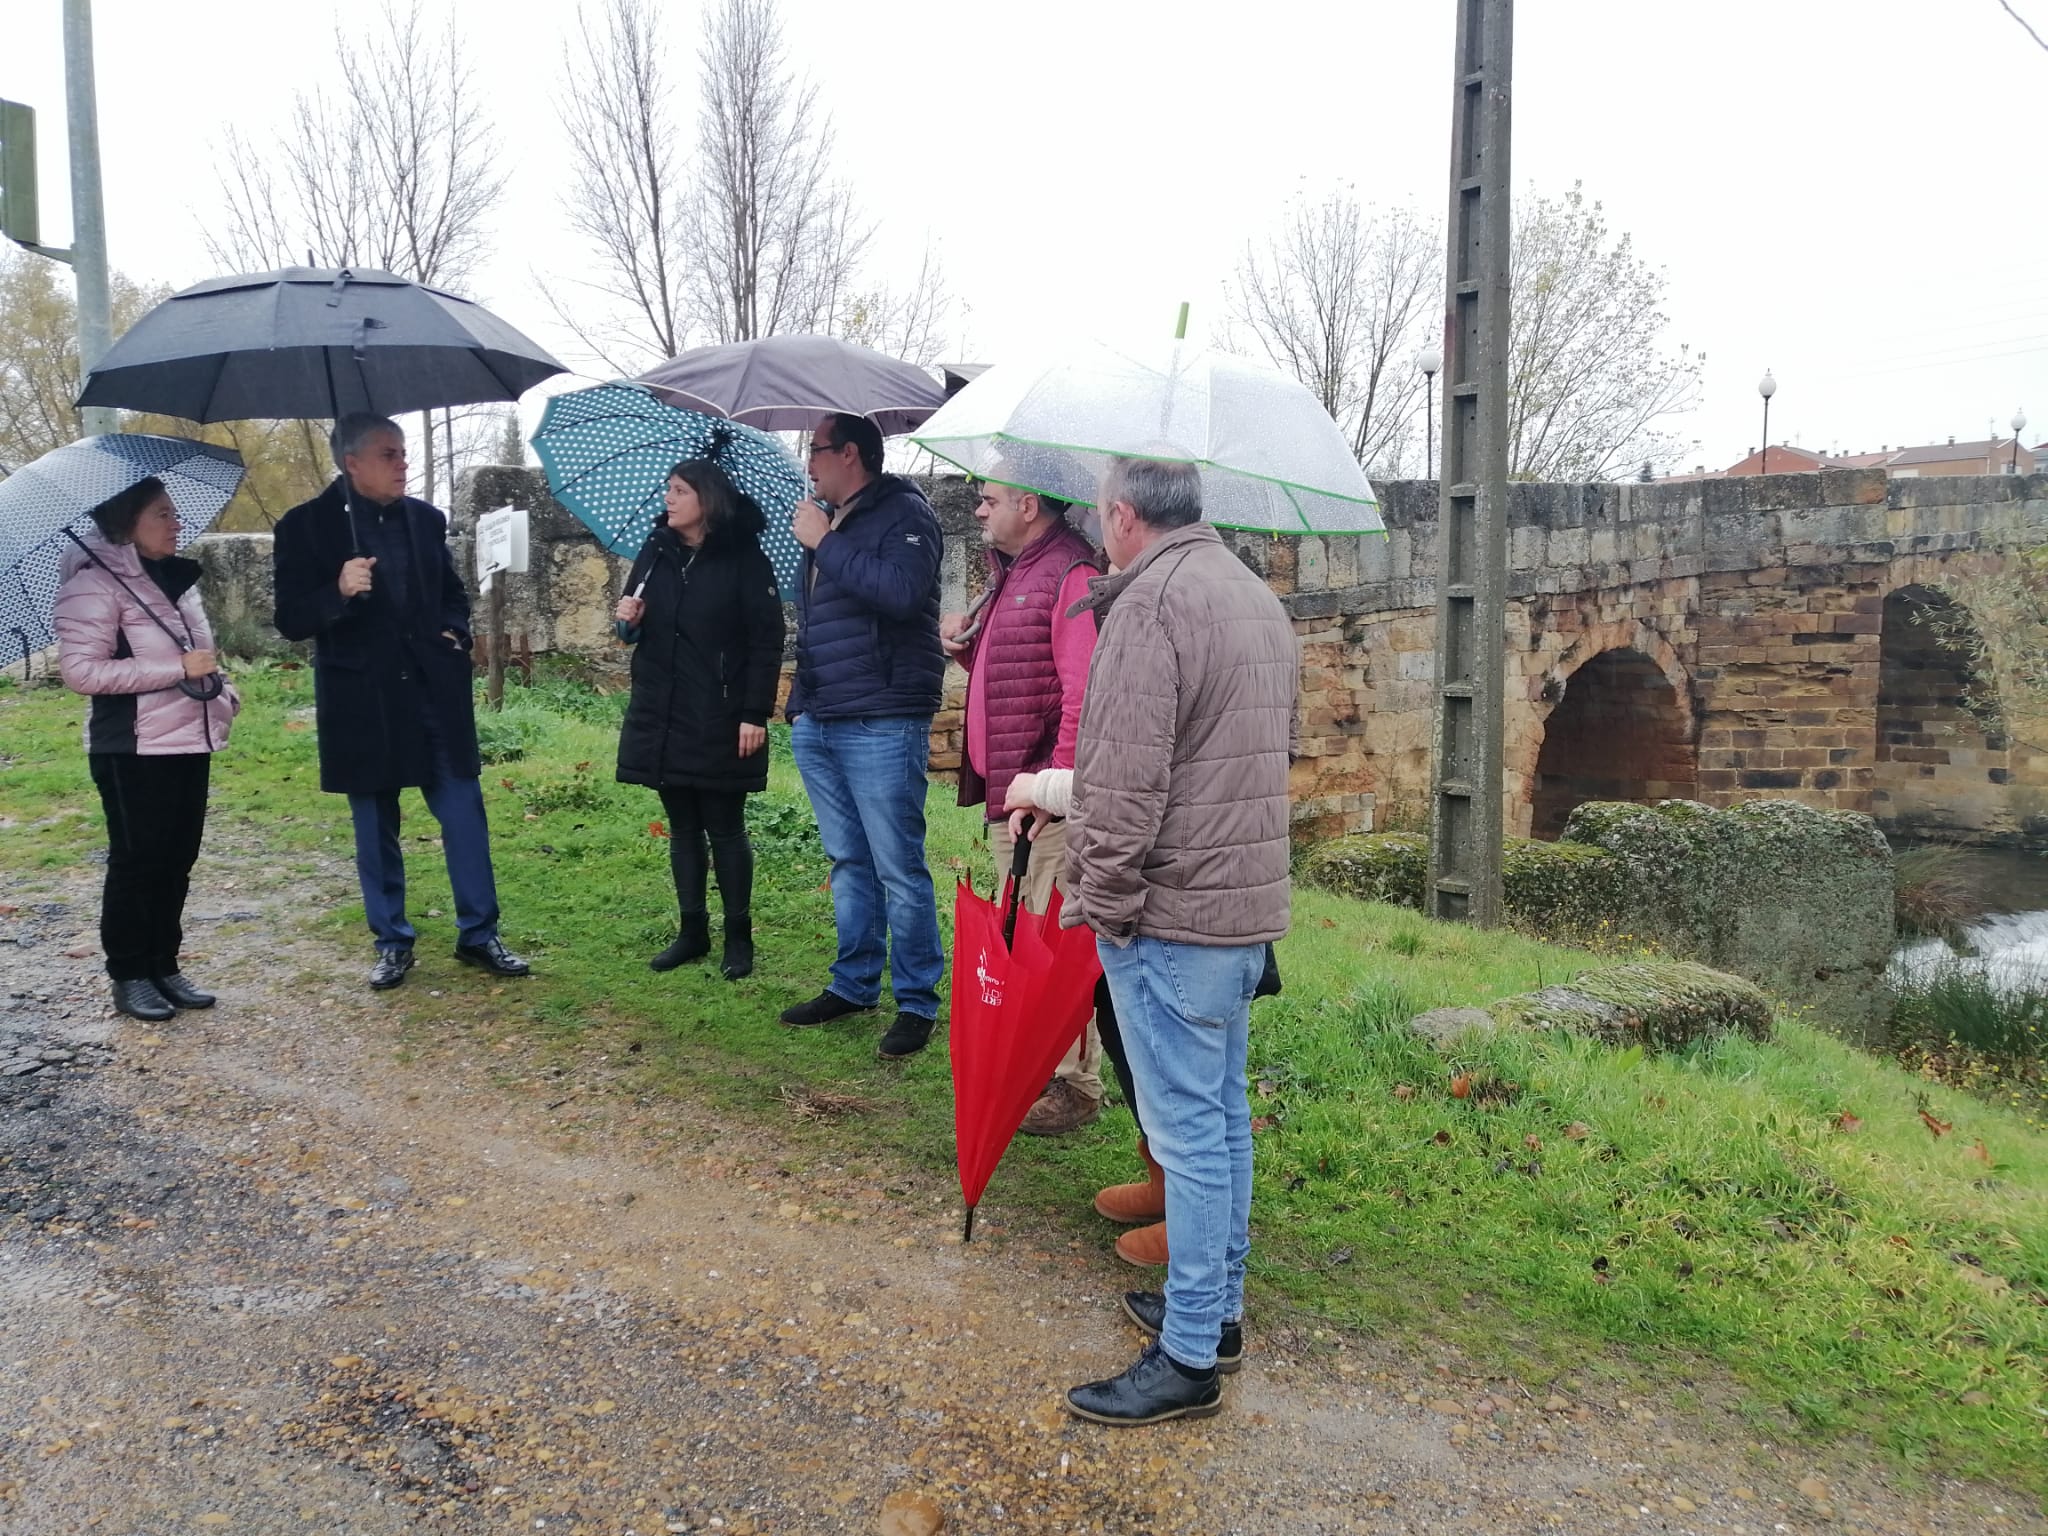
(1743, 624)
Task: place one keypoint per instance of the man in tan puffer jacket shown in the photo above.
(1177, 855)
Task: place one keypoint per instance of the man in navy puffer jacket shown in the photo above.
(869, 673)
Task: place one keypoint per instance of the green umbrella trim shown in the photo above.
(1288, 486)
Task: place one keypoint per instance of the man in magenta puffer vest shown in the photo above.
(1027, 668)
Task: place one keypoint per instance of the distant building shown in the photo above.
(1990, 456)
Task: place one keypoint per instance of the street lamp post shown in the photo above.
(1767, 387)
(1429, 360)
(2019, 425)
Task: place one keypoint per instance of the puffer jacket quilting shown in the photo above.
(1179, 824)
(868, 612)
(1013, 664)
(110, 650)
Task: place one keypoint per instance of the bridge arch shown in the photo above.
(1937, 767)
(1620, 727)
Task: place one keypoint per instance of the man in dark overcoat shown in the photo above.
(364, 571)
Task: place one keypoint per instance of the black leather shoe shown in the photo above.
(822, 1009)
(907, 1036)
(493, 956)
(141, 1000)
(180, 993)
(692, 942)
(1150, 1392)
(1148, 1310)
(390, 969)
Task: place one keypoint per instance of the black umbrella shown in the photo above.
(311, 342)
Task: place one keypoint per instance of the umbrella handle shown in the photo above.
(967, 1232)
(1020, 865)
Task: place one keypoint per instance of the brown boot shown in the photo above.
(1143, 1246)
(1132, 1204)
(1059, 1109)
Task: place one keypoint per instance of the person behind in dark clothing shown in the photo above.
(364, 572)
(869, 674)
(133, 638)
(705, 618)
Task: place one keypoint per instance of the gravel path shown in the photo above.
(278, 1268)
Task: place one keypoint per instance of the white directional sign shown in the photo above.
(500, 544)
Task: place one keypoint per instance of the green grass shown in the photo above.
(1784, 1212)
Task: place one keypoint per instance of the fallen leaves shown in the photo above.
(1576, 1131)
(1847, 1123)
(1461, 1085)
(1404, 1091)
(1937, 1128)
(656, 829)
(1980, 1152)
(822, 1105)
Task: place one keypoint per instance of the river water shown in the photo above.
(2010, 945)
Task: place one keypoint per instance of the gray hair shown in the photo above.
(1164, 494)
(356, 429)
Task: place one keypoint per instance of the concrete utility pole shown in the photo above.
(88, 212)
(1467, 775)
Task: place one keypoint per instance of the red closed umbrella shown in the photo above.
(1023, 988)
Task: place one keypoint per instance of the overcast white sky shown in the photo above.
(1850, 192)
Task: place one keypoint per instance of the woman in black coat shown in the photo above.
(705, 618)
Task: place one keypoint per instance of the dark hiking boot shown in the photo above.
(692, 942)
(1148, 1310)
(1152, 1391)
(1060, 1109)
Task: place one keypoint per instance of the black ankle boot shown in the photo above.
(738, 960)
(693, 942)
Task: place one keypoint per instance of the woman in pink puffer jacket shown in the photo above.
(133, 638)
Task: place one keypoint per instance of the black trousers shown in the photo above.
(717, 817)
(156, 814)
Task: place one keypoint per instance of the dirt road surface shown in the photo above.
(278, 1268)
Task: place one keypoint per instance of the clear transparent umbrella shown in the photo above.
(1270, 456)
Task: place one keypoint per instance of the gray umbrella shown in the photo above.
(785, 383)
(318, 343)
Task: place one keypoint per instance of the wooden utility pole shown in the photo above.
(1467, 774)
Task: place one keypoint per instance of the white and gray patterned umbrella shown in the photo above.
(58, 491)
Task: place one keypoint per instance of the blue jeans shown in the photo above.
(458, 805)
(866, 780)
(1185, 1014)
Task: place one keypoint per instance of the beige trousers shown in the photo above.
(1081, 1066)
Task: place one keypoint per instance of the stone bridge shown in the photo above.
(1718, 640)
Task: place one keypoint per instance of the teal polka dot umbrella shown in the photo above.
(607, 452)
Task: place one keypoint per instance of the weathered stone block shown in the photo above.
(1797, 899)
(1659, 1005)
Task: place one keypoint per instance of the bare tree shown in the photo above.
(1588, 375)
(629, 197)
(910, 323)
(397, 170)
(774, 239)
(1342, 297)
(2025, 25)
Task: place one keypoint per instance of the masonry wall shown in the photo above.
(1758, 601)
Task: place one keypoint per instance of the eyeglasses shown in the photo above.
(818, 448)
